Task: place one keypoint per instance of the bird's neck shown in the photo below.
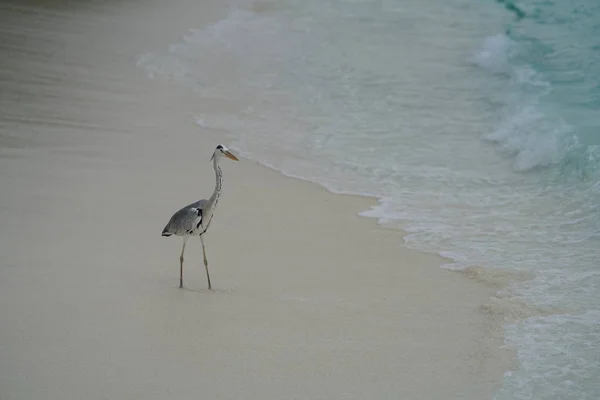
(214, 199)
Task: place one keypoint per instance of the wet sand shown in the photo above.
(309, 300)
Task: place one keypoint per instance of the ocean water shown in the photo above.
(475, 124)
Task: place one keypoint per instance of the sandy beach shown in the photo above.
(310, 301)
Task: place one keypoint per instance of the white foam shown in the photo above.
(532, 134)
(495, 53)
(536, 139)
(559, 358)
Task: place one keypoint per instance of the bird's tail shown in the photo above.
(166, 232)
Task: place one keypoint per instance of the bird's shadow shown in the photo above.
(206, 290)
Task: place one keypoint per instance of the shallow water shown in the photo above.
(475, 125)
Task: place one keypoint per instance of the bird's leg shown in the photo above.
(185, 238)
(205, 261)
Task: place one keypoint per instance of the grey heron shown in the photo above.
(194, 219)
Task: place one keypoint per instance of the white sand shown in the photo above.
(309, 300)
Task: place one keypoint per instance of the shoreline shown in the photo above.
(310, 299)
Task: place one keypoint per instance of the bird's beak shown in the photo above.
(231, 156)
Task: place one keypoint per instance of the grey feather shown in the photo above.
(187, 221)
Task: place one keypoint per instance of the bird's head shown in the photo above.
(222, 150)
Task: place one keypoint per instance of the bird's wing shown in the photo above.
(186, 220)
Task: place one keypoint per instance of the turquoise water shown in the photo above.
(474, 123)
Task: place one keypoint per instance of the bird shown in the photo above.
(194, 219)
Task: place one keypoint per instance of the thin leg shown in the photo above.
(185, 238)
(205, 261)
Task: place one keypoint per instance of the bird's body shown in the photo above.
(187, 221)
(194, 219)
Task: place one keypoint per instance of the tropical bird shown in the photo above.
(194, 219)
